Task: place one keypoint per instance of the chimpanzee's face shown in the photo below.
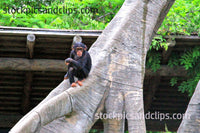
(79, 51)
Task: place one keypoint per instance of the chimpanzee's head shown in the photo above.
(79, 48)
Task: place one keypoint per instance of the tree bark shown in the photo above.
(115, 84)
(191, 120)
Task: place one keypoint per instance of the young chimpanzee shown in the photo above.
(79, 64)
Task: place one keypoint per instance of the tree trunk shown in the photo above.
(115, 84)
(191, 121)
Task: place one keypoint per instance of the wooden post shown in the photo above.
(154, 82)
(76, 39)
(30, 45)
(26, 93)
(166, 54)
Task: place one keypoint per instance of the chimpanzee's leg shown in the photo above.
(81, 76)
(71, 75)
(66, 76)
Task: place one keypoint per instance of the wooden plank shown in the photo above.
(4, 98)
(49, 78)
(10, 93)
(13, 73)
(185, 37)
(167, 71)
(51, 56)
(53, 40)
(12, 54)
(12, 38)
(36, 99)
(12, 49)
(48, 32)
(46, 74)
(10, 87)
(167, 109)
(54, 45)
(165, 100)
(51, 51)
(190, 43)
(12, 82)
(8, 43)
(39, 94)
(12, 108)
(19, 64)
(9, 103)
(11, 77)
(175, 105)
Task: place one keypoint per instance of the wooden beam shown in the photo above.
(30, 45)
(21, 64)
(184, 37)
(167, 71)
(5, 30)
(48, 32)
(26, 93)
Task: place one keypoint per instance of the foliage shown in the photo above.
(183, 18)
(173, 81)
(95, 131)
(153, 60)
(153, 56)
(190, 60)
(159, 42)
(174, 60)
(75, 14)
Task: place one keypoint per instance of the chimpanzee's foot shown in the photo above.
(80, 82)
(65, 78)
(73, 84)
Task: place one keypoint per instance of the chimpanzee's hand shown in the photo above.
(68, 60)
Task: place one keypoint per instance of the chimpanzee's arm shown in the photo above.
(77, 64)
(85, 62)
(89, 64)
(72, 53)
